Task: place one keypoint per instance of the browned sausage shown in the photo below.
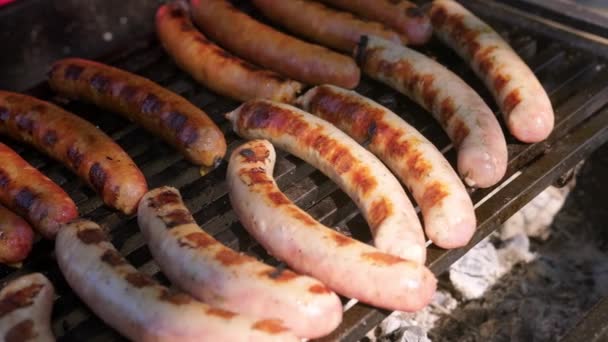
(326, 26)
(157, 109)
(403, 16)
(16, 237)
(215, 67)
(265, 46)
(82, 147)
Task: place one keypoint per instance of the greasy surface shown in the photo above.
(378, 194)
(522, 99)
(33, 195)
(402, 15)
(215, 67)
(25, 309)
(157, 109)
(464, 116)
(225, 278)
(348, 266)
(16, 237)
(449, 219)
(136, 305)
(79, 145)
(316, 22)
(265, 46)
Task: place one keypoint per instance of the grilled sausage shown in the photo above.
(82, 147)
(215, 67)
(222, 277)
(33, 195)
(351, 268)
(16, 237)
(137, 306)
(25, 309)
(522, 99)
(265, 46)
(401, 15)
(157, 109)
(464, 116)
(378, 194)
(319, 23)
(449, 218)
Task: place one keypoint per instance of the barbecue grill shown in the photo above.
(570, 64)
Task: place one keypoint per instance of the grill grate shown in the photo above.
(581, 125)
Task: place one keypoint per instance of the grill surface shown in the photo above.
(577, 82)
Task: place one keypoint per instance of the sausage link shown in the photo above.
(25, 309)
(265, 46)
(215, 67)
(449, 218)
(522, 99)
(349, 267)
(464, 116)
(157, 109)
(82, 148)
(16, 237)
(137, 306)
(222, 277)
(378, 194)
(326, 26)
(401, 15)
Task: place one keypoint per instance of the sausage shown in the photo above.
(401, 15)
(25, 309)
(449, 217)
(464, 116)
(349, 267)
(319, 23)
(522, 99)
(157, 109)
(79, 145)
(215, 67)
(393, 221)
(265, 46)
(16, 237)
(33, 195)
(137, 306)
(222, 277)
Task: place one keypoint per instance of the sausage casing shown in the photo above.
(157, 109)
(16, 237)
(79, 145)
(136, 305)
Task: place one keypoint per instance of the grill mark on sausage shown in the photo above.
(100, 83)
(72, 72)
(379, 210)
(74, 157)
(49, 138)
(417, 165)
(271, 326)
(220, 313)
(97, 177)
(19, 299)
(175, 121)
(22, 331)
(24, 199)
(139, 280)
(433, 195)
(4, 179)
(151, 104)
(228, 257)
(4, 114)
(280, 275)
(500, 81)
(196, 240)
(25, 124)
(278, 198)
(175, 298)
(512, 100)
(252, 157)
(164, 198)
(176, 218)
(380, 258)
(299, 215)
(461, 131)
(319, 289)
(446, 111)
(113, 258)
(256, 176)
(187, 136)
(362, 180)
(341, 240)
(429, 92)
(91, 236)
(485, 60)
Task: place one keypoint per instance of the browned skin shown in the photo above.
(265, 46)
(20, 332)
(215, 67)
(19, 299)
(32, 195)
(16, 237)
(271, 326)
(82, 147)
(157, 109)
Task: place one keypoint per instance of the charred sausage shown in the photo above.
(378, 194)
(522, 99)
(222, 277)
(401, 15)
(464, 116)
(215, 67)
(25, 309)
(16, 237)
(157, 109)
(349, 267)
(326, 26)
(265, 46)
(137, 306)
(449, 218)
(82, 147)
